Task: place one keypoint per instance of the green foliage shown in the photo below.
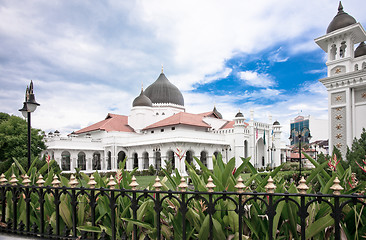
(356, 154)
(13, 141)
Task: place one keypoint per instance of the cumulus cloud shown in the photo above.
(256, 79)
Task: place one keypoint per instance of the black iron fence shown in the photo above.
(40, 211)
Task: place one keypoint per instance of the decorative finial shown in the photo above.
(27, 94)
(55, 182)
(336, 187)
(210, 185)
(240, 185)
(3, 180)
(92, 182)
(183, 185)
(13, 181)
(270, 186)
(162, 68)
(340, 7)
(111, 182)
(73, 182)
(40, 181)
(302, 186)
(26, 180)
(157, 185)
(133, 183)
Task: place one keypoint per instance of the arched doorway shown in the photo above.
(203, 158)
(171, 158)
(96, 161)
(135, 160)
(260, 153)
(189, 157)
(81, 161)
(65, 161)
(145, 156)
(109, 160)
(157, 160)
(216, 154)
(121, 157)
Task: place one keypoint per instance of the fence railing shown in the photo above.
(41, 211)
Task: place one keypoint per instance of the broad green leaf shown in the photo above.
(204, 230)
(89, 229)
(139, 223)
(319, 225)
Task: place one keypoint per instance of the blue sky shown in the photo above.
(88, 58)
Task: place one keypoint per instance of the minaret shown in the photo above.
(345, 81)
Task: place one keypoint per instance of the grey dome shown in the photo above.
(163, 91)
(276, 123)
(360, 50)
(239, 114)
(142, 100)
(341, 20)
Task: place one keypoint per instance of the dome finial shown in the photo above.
(340, 7)
(162, 68)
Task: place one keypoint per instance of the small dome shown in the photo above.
(276, 123)
(341, 20)
(142, 100)
(163, 91)
(217, 113)
(239, 114)
(360, 50)
(57, 132)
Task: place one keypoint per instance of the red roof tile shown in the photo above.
(181, 118)
(113, 122)
(230, 124)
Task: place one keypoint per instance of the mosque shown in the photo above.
(158, 130)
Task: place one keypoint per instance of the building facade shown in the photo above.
(345, 81)
(159, 130)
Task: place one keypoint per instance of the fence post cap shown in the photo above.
(270, 187)
(336, 187)
(111, 182)
(240, 185)
(210, 185)
(13, 180)
(133, 183)
(3, 180)
(55, 182)
(157, 185)
(73, 182)
(302, 186)
(183, 185)
(40, 181)
(26, 180)
(92, 182)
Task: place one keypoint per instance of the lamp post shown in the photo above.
(29, 106)
(300, 134)
(272, 149)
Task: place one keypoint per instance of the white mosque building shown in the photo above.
(346, 80)
(158, 128)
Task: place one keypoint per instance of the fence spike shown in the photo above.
(183, 185)
(13, 181)
(111, 182)
(26, 180)
(210, 185)
(73, 182)
(302, 186)
(240, 185)
(40, 181)
(92, 182)
(336, 187)
(157, 185)
(270, 187)
(133, 183)
(55, 182)
(3, 180)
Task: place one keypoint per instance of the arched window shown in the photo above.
(145, 156)
(121, 157)
(364, 65)
(333, 52)
(245, 148)
(203, 158)
(81, 161)
(356, 67)
(135, 160)
(109, 160)
(216, 154)
(157, 160)
(171, 158)
(65, 161)
(342, 49)
(96, 161)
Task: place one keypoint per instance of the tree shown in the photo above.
(13, 141)
(357, 154)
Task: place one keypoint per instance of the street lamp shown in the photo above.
(272, 149)
(29, 106)
(299, 135)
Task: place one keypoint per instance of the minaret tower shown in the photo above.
(345, 80)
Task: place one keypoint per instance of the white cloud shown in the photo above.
(255, 79)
